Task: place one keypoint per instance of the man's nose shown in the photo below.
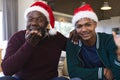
(83, 28)
(34, 22)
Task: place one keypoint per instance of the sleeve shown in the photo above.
(17, 55)
(75, 65)
(61, 41)
(115, 64)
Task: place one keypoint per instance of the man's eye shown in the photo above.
(41, 18)
(87, 24)
(79, 26)
(30, 19)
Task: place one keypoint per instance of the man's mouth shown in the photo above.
(85, 34)
(34, 28)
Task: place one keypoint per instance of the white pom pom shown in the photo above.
(52, 32)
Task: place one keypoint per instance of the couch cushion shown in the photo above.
(65, 71)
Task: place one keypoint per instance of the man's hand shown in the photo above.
(108, 74)
(73, 36)
(33, 37)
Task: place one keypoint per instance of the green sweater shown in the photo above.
(106, 50)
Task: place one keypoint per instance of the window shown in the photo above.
(63, 23)
(1, 27)
(64, 27)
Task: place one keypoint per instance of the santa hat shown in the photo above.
(46, 10)
(84, 11)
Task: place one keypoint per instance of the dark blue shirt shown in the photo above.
(90, 57)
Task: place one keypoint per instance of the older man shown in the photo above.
(33, 54)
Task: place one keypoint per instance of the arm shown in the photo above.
(17, 54)
(117, 42)
(73, 36)
(61, 41)
(112, 48)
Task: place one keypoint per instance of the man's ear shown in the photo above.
(48, 26)
(46, 23)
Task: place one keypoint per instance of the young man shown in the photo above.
(94, 57)
(33, 54)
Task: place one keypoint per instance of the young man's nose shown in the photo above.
(83, 28)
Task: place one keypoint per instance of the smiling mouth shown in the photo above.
(86, 34)
(34, 28)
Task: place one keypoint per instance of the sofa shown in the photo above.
(62, 66)
(0, 59)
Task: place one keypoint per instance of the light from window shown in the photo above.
(64, 27)
(1, 27)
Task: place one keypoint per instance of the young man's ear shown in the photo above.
(95, 23)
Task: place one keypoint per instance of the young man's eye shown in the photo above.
(79, 26)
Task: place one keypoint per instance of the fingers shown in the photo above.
(108, 74)
(74, 36)
(28, 32)
(114, 34)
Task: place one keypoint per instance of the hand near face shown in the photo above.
(33, 37)
(74, 36)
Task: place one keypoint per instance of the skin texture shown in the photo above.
(36, 27)
(85, 29)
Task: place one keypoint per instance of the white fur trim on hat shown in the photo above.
(36, 8)
(52, 32)
(84, 14)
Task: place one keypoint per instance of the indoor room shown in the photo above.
(12, 19)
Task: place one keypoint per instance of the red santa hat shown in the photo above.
(84, 11)
(46, 10)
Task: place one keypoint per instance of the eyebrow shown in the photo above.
(84, 23)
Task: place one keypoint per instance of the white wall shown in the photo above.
(107, 25)
(22, 5)
(103, 25)
(0, 4)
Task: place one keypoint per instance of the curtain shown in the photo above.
(10, 18)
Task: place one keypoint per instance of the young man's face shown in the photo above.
(36, 20)
(86, 28)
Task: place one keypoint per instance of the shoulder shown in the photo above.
(18, 35)
(106, 39)
(105, 36)
(58, 35)
(71, 45)
(22, 32)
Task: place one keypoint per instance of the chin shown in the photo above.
(85, 38)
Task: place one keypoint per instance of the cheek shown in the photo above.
(43, 24)
(78, 31)
(28, 26)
